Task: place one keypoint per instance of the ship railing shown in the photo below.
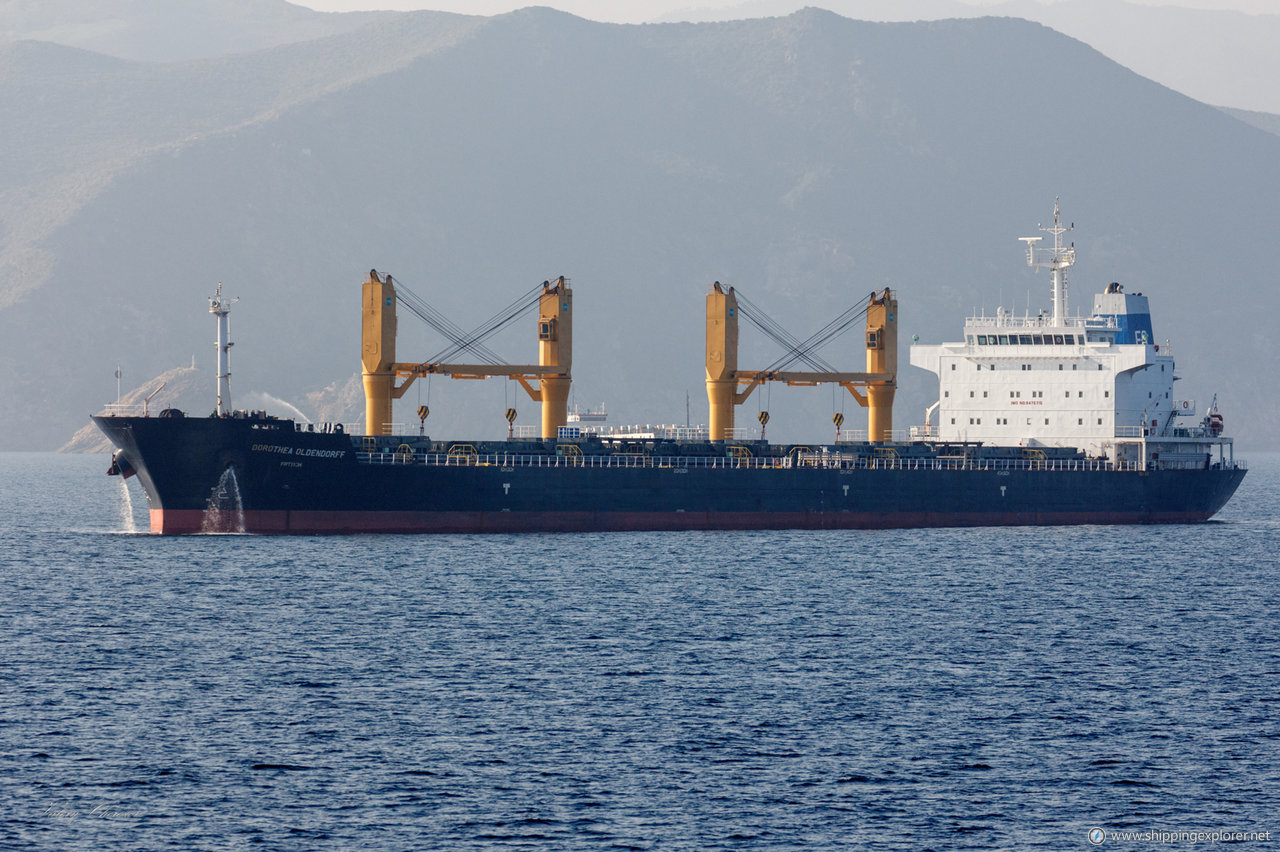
(121, 409)
(649, 431)
(860, 436)
(830, 461)
(979, 323)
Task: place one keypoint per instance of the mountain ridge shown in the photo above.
(807, 161)
(1220, 57)
(163, 32)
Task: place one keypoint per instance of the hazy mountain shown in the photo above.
(1262, 120)
(806, 160)
(186, 388)
(171, 29)
(1220, 57)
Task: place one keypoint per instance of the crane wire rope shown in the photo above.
(773, 330)
(499, 321)
(440, 323)
(464, 341)
(822, 337)
(798, 350)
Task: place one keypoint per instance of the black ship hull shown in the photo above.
(263, 475)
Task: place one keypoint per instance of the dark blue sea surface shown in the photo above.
(915, 689)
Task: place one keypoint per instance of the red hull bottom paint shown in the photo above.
(282, 522)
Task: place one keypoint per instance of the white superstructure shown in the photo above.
(1099, 383)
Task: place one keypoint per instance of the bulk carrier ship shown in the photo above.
(1040, 419)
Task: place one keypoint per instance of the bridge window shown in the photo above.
(1071, 340)
(982, 340)
(1024, 340)
(1057, 338)
(1004, 340)
(1036, 340)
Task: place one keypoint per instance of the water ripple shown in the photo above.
(959, 689)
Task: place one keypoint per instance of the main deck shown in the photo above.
(270, 476)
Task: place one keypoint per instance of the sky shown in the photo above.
(637, 11)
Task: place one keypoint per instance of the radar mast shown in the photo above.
(1058, 259)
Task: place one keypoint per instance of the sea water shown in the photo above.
(945, 689)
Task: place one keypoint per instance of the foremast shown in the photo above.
(220, 307)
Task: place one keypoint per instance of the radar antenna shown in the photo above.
(1058, 260)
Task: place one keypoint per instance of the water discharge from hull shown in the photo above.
(127, 524)
(225, 510)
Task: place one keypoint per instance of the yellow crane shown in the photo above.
(873, 389)
(381, 369)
